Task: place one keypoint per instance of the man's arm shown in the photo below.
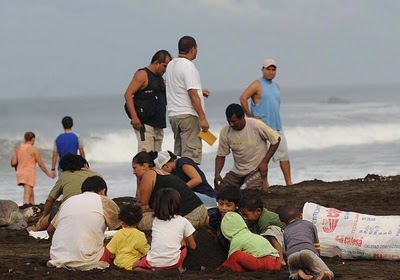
(138, 82)
(196, 103)
(82, 152)
(263, 166)
(47, 205)
(219, 164)
(250, 92)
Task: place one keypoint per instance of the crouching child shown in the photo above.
(302, 246)
(247, 251)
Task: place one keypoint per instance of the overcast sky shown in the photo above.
(59, 48)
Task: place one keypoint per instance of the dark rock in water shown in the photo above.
(337, 100)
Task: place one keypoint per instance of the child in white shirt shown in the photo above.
(171, 233)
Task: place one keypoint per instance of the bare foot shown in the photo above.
(303, 275)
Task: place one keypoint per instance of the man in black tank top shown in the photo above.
(146, 102)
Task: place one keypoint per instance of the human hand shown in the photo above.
(217, 181)
(206, 93)
(52, 174)
(204, 125)
(136, 124)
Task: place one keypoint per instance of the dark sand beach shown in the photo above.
(23, 257)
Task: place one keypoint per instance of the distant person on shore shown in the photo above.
(77, 230)
(228, 200)
(24, 161)
(146, 102)
(248, 139)
(265, 105)
(67, 142)
(185, 97)
(75, 170)
(128, 244)
(171, 235)
(247, 251)
(152, 180)
(189, 172)
(262, 221)
(302, 246)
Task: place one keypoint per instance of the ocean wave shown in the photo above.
(121, 146)
(324, 137)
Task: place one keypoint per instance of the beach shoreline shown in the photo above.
(23, 257)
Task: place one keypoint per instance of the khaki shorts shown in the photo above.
(282, 153)
(197, 218)
(153, 139)
(187, 143)
(234, 180)
(276, 232)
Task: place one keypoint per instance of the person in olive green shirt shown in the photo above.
(75, 171)
(262, 221)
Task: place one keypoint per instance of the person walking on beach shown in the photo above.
(24, 160)
(146, 102)
(185, 101)
(67, 142)
(248, 139)
(265, 104)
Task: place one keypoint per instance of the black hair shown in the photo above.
(145, 157)
(161, 56)
(130, 214)
(67, 122)
(185, 44)
(29, 135)
(94, 184)
(167, 203)
(251, 200)
(230, 193)
(172, 155)
(288, 213)
(71, 162)
(234, 109)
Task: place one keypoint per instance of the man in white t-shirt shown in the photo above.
(79, 226)
(248, 140)
(185, 101)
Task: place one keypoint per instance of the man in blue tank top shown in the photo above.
(67, 142)
(265, 102)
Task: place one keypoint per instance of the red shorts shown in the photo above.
(144, 264)
(242, 261)
(107, 256)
